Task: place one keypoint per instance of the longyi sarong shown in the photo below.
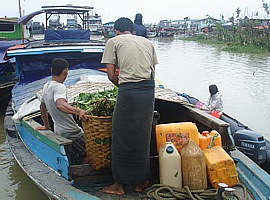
(131, 132)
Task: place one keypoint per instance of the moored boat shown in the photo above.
(45, 156)
(11, 33)
(151, 34)
(248, 141)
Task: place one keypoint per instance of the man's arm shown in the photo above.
(112, 74)
(62, 105)
(44, 117)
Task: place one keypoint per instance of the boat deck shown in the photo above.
(95, 180)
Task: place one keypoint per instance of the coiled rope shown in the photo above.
(164, 192)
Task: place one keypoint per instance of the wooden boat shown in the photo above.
(37, 28)
(11, 30)
(108, 30)
(44, 156)
(7, 67)
(151, 34)
(248, 141)
(10, 35)
(108, 33)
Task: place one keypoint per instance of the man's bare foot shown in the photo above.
(115, 188)
(141, 186)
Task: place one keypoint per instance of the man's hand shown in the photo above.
(82, 115)
(39, 128)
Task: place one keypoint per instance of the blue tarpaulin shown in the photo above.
(6, 65)
(36, 67)
(4, 45)
(67, 35)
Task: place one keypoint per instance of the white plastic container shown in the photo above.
(170, 170)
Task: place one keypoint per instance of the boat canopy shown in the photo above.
(26, 18)
(51, 10)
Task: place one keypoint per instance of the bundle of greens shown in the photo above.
(99, 103)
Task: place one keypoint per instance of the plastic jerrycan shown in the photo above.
(220, 167)
(177, 133)
(193, 166)
(170, 170)
(207, 140)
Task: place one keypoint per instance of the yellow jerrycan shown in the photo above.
(220, 167)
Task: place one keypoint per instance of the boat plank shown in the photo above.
(47, 134)
(256, 180)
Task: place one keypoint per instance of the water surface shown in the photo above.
(243, 79)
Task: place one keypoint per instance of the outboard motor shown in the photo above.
(251, 144)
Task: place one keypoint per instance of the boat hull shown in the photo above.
(47, 179)
(56, 186)
(45, 156)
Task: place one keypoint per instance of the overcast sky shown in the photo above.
(152, 10)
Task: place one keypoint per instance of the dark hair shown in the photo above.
(213, 89)
(58, 65)
(138, 18)
(124, 24)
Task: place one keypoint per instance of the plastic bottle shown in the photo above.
(170, 170)
(193, 165)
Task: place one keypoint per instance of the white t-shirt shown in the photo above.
(64, 124)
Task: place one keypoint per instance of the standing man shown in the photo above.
(133, 114)
(139, 28)
(54, 101)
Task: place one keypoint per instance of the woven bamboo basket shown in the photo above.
(97, 132)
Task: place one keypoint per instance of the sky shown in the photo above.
(152, 10)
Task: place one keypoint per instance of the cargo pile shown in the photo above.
(188, 158)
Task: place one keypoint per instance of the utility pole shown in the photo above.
(21, 25)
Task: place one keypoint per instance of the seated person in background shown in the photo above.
(54, 101)
(214, 104)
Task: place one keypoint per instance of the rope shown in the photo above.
(164, 192)
(212, 140)
(160, 84)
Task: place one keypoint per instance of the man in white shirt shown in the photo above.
(54, 101)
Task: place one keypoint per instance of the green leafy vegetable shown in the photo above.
(99, 103)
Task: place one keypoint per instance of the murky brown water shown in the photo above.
(187, 67)
(243, 79)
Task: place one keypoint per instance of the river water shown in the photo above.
(186, 67)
